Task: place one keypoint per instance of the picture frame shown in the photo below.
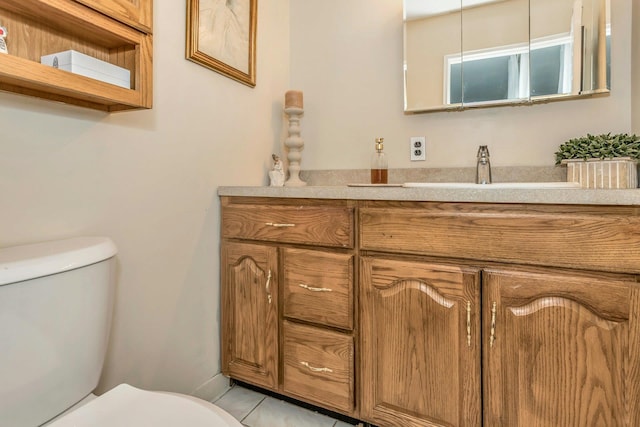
(221, 36)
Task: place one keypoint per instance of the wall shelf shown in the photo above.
(42, 27)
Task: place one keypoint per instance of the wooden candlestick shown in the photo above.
(295, 144)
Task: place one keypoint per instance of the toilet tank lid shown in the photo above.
(25, 262)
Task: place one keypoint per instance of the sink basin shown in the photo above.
(494, 186)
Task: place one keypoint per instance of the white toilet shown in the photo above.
(55, 310)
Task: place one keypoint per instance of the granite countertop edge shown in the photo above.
(628, 197)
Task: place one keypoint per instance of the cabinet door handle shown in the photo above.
(273, 224)
(492, 338)
(267, 286)
(314, 369)
(312, 289)
(468, 323)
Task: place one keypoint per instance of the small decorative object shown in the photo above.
(293, 107)
(276, 175)
(221, 35)
(601, 161)
(3, 43)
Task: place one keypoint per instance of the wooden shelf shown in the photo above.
(42, 27)
(137, 13)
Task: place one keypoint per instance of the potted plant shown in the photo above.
(601, 161)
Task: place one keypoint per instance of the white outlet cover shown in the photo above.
(418, 148)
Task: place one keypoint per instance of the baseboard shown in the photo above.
(213, 388)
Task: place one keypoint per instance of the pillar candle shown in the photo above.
(293, 98)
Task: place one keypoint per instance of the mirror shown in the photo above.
(461, 54)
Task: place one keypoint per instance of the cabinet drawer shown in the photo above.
(314, 225)
(603, 238)
(318, 366)
(318, 287)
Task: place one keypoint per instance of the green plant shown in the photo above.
(605, 146)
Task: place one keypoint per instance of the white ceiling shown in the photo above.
(414, 9)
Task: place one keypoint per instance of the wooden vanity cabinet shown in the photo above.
(288, 298)
(563, 348)
(420, 343)
(250, 314)
(560, 330)
(463, 314)
(107, 30)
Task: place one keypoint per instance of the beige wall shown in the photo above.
(426, 48)
(495, 24)
(347, 58)
(148, 180)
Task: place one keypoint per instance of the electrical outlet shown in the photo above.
(418, 148)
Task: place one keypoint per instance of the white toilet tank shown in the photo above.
(55, 311)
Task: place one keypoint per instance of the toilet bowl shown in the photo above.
(127, 406)
(55, 311)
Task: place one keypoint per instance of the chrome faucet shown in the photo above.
(483, 167)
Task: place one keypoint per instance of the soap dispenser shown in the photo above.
(379, 167)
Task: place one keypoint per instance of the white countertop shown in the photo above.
(555, 196)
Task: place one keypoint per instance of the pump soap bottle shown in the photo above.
(379, 167)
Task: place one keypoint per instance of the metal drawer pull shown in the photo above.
(312, 369)
(492, 338)
(312, 289)
(273, 224)
(468, 323)
(267, 287)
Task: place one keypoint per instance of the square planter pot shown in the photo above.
(608, 173)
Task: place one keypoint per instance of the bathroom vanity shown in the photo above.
(288, 297)
(421, 307)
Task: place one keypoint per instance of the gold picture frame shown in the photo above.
(221, 35)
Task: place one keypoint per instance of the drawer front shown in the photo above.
(318, 287)
(318, 366)
(313, 225)
(576, 237)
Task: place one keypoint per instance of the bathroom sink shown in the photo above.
(494, 186)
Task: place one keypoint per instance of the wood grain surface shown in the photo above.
(319, 366)
(318, 287)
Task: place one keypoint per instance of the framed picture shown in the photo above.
(221, 35)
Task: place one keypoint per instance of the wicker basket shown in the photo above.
(613, 173)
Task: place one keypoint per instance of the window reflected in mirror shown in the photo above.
(507, 52)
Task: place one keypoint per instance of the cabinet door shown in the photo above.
(249, 313)
(420, 354)
(136, 13)
(561, 349)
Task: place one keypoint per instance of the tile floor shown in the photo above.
(254, 409)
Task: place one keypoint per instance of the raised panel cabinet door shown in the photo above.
(136, 13)
(249, 313)
(420, 343)
(561, 349)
